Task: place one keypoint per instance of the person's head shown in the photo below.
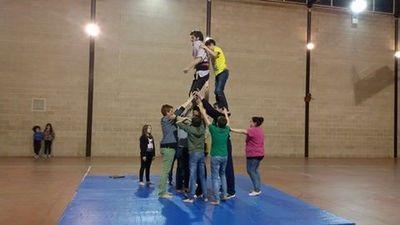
(196, 121)
(49, 127)
(36, 128)
(167, 110)
(196, 111)
(196, 35)
(146, 130)
(256, 121)
(210, 43)
(222, 121)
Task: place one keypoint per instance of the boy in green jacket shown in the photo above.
(196, 138)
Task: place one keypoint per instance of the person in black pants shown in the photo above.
(37, 140)
(199, 62)
(229, 172)
(147, 153)
(182, 179)
(182, 170)
(182, 158)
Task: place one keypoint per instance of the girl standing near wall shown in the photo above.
(147, 153)
(49, 136)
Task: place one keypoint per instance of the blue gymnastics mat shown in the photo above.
(101, 200)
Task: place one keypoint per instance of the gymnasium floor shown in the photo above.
(366, 191)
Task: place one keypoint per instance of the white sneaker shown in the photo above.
(230, 196)
(188, 200)
(254, 193)
(214, 202)
(36, 156)
(141, 183)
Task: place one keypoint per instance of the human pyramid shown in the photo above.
(188, 131)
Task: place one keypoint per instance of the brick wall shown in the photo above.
(265, 53)
(352, 82)
(140, 54)
(43, 54)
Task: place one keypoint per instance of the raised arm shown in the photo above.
(213, 113)
(228, 121)
(209, 51)
(188, 101)
(204, 114)
(239, 131)
(181, 123)
(182, 108)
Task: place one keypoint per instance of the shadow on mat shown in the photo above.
(144, 191)
(176, 213)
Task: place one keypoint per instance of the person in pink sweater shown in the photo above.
(254, 151)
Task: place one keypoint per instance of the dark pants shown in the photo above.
(198, 83)
(229, 172)
(47, 147)
(182, 169)
(220, 82)
(171, 171)
(145, 165)
(37, 145)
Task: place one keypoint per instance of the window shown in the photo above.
(324, 2)
(384, 6)
(341, 3)
(38, 104)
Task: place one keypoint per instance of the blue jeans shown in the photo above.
(218, 178)
(220, 82)
(252, 170)
(197, 166)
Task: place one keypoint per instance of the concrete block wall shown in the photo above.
(265, 52)
(352, 83)
(139, 61)
(140, 54)
(43, 54)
